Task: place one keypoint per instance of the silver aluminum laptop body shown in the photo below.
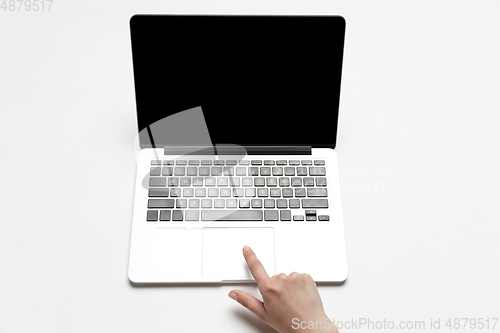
(219, 170)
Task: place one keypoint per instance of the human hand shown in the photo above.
(290, 303)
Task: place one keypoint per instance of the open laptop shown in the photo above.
(237, 119)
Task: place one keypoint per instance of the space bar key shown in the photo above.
(231, 215)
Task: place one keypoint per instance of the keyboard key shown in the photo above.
(289, 171)
(244, 162)
(294, 162)
(320, 181)
(194, 203)
(219, 203)
(192, 171)
(188, 192)
(164, 215)
(306, 162)
(301, 171)
(287, 193)
(155, 171)
(238, 192)
(262, 192)
(192, 215)
(285, 215)
(298, 217)
(175, 192)
(294, 203)
(157, 181)
(256, 203)
(158, 192)
(228, 171)
(275, 193)
(173, 181)
(156, 162)
(179, 171)
(314, 203)
(296, 181)
(204, 171)
(160, 203)
(244, 203)
(225, 192)
(271, 181)
(234, 181)
(317, 171)
(268, 203)
(152, 216)
(277, 171)
(231, 215)
(181, 203)
(253, 171)
(216, 171)
(317, 192)
(256, 162)
(281, 203)
(213, 192)
(209, 181)
(271, 215)
(200, 192)
(308, 181)
(181, 162)
(231, 162)
(222, 181)
(206, 203)
(177, 215)
(185, 181)
(168, 162)
(241, 171)
(206, 162)
(310, 217)
(167, 171)
(319, 162)
(259, 181)
(300, 192)
(250, 192)
(284, 181)
(193, 162)
(219, 162)
(247, 181)
(232, 203)
(323, 218)
(268, 162)
(265, 171)
(281, 162)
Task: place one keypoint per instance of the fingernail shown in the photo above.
(246, 248)
(233, 296)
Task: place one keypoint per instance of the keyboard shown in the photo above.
(231, 190)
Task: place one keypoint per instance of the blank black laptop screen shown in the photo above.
(260, 80)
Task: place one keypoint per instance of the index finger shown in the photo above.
(256, 268)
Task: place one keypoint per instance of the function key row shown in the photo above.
(235, 162)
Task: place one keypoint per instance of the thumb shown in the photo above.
(249, 302)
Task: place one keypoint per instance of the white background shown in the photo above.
(418, 149)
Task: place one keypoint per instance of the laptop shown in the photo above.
(237, 125)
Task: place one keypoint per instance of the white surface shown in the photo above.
(417, 145)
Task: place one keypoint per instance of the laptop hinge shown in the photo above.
(237, 150)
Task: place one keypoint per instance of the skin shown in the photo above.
(284, 298)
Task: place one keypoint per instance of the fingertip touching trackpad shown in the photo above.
(223, 256)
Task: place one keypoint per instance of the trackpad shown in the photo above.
(223, 256)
